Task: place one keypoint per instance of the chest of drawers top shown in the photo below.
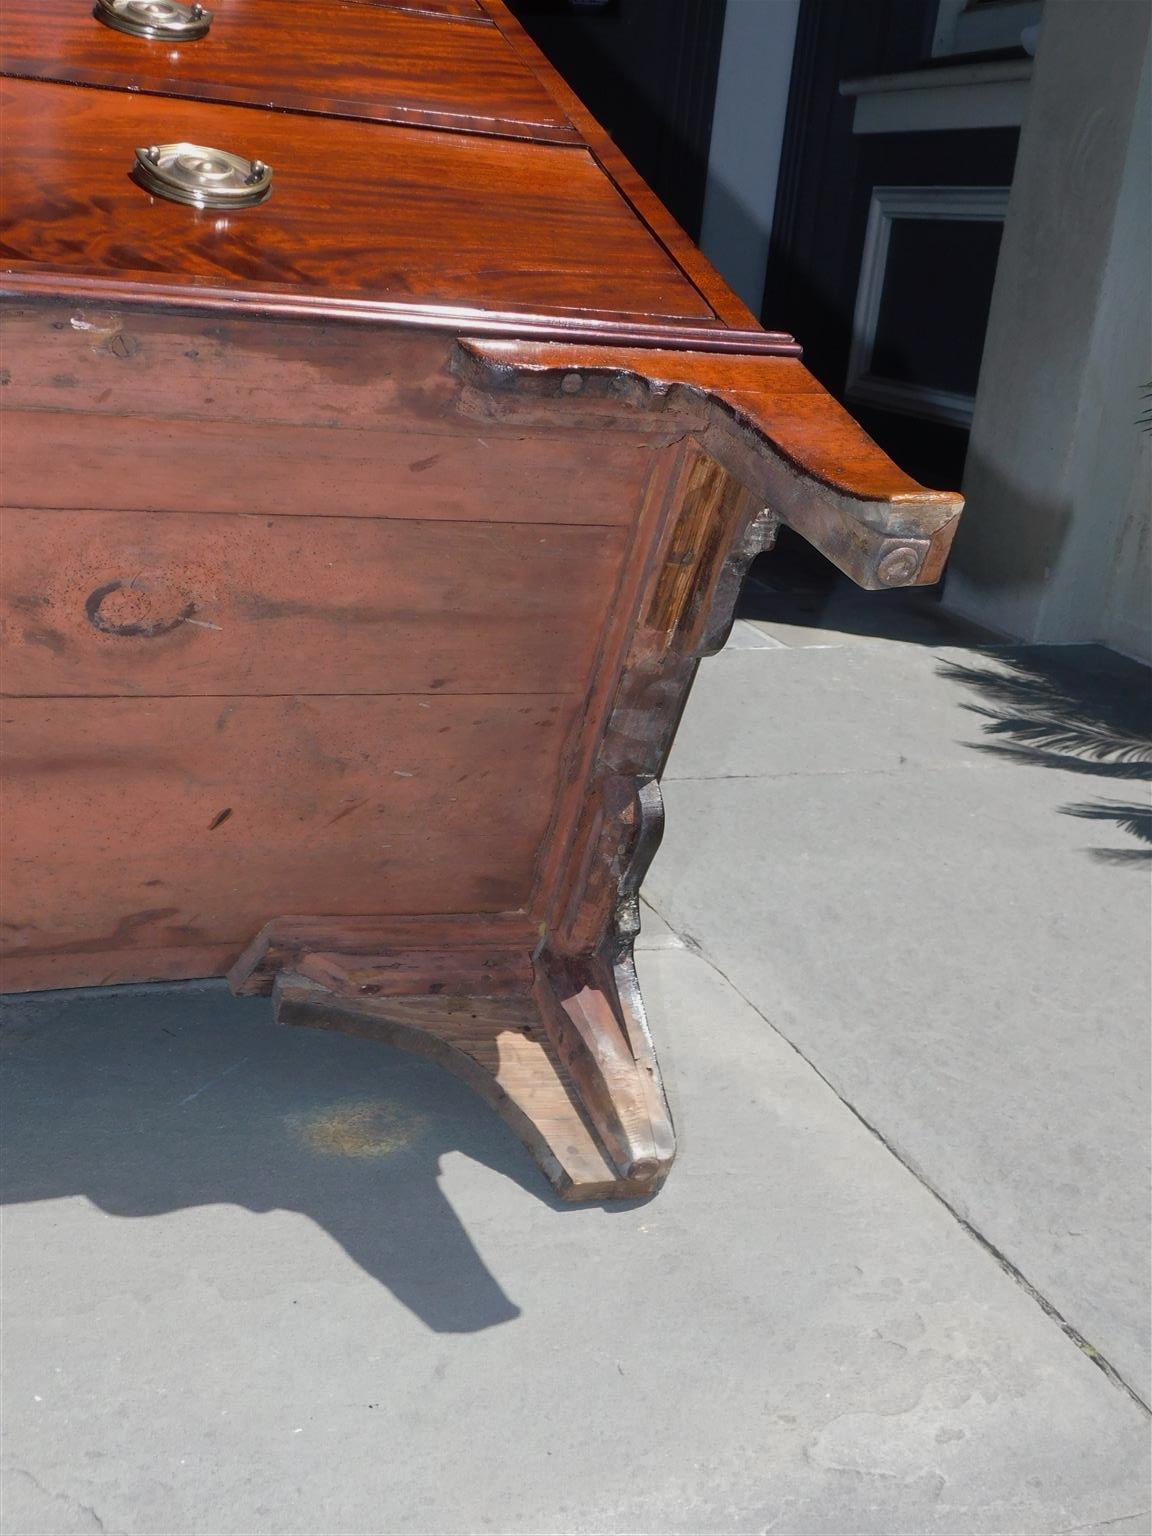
(449, 68)
(424, 157)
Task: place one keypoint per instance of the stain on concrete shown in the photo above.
(359, 1128)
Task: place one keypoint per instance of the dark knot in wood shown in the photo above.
(132, 612)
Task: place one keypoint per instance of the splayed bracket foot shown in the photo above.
(551, 1045)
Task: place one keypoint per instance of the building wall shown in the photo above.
(1054, 545)
(829, 172)
(1121, 350)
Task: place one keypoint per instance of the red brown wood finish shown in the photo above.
(457, 10)
(731, 309)
(244, 604)
(361, 546)
(400, 213)
(324, 56)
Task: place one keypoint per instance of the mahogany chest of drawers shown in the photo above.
(380, 459)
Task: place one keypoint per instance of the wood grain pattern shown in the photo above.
(315, 609)
(285, 943)
(113, 963)
(765, 420)
(348, 60)
(727, 305)
(375, 390)
(391, 213)
(274, 301)
(496, 1046)
(571, 862)
(458, 10)
(134, 603)
(764, 445)
(144, 361)
(615, 1075)
(101, 461)
(163, 823)
(450, 972)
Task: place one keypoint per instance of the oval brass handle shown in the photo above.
(172, 21)
(202, 177)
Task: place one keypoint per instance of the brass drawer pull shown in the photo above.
(204, 178)
(171, 21)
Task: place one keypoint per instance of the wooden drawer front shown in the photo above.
(466, 10)
(153, 824)
(72, 459)
(351, 60)
(177, 603)
(394, 214)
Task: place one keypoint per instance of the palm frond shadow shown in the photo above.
(1136, 819)
(1047, 713)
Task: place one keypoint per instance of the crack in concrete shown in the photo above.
(1051, 1311)
(908, 766)
(1098, 1525)
(59, 1498)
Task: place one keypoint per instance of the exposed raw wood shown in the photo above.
(766, 420)
(117, 958)
(453, 973)
(315, 472)
(497, 1046)
(120, 603)
(614, 1088)
(160, 823)
(284, 944)
(362, 546)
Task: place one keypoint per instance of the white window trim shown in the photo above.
(961, 29)
(988, 204)
(993, 94)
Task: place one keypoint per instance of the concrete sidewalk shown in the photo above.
(283, 1281)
